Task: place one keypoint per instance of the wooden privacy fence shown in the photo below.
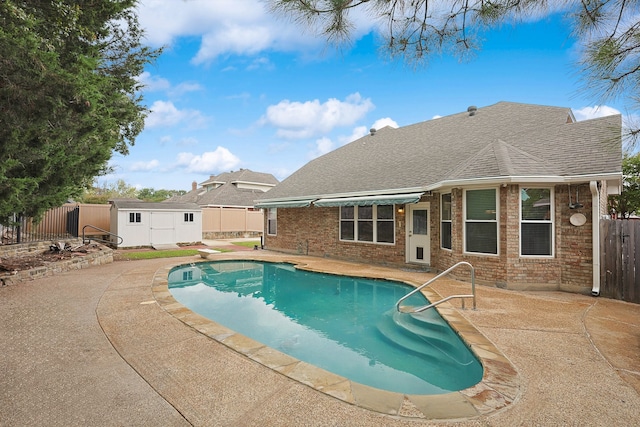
(620, 259)
(63, 222)
(217, 219)
(68, 220)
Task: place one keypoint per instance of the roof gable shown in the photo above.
(500, 159)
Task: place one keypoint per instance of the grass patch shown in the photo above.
(248, 244)
(159, 254)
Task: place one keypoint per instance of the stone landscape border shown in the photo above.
(79, 261)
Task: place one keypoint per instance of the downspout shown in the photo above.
(595, 224)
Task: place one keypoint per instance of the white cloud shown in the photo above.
(209, 162)
(165, 114)
(586, 113)
(144, 166)
(153, 83)
(387, 121)
(164, 20)
(224, 26)
(323, 146)
(185, 87)
(297, 120)
(238, 39)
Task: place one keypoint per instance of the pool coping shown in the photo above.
(498, 389)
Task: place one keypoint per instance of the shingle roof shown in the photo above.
(242, 175)
(128, 204)
(228, 194)
(502, 140)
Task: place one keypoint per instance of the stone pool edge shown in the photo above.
(498, 389)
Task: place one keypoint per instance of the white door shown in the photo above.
(418, 241)
(162, 227)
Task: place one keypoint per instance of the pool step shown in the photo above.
(425, 334)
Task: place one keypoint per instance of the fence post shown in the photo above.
(19, 229)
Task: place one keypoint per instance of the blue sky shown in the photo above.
(239, 88)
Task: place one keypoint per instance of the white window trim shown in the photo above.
(375, 228)
(552, 222)
(496, 221)
(136, 223)
(450, 221)
(275, 214)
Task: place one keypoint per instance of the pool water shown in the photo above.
(345, 325)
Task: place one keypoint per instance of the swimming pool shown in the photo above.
(345, 325)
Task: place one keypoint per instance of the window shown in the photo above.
(385, 224)
(135, 217)
(272, 221)
(347, 221)
(188, 217)
(375, 224)
(536, 222)
(481, 221)
(445, 221)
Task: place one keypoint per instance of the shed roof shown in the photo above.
(502, 141)
(163, 206)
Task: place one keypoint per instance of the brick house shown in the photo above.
(515, 189)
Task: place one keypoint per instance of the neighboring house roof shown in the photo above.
(239, 188)
(504, 142)
(124, 204)
(123, 199)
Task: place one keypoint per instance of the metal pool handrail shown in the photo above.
(444, 273)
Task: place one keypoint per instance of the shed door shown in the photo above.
(162, 229)
(418, 241)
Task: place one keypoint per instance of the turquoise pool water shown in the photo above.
(345, 325)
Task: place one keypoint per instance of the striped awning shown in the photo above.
(386, 199)
(284, 204)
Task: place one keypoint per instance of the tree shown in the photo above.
(152, 195)
(102, 194)
(416, 29)
(68, 97)
(628, 201)
(120, 189)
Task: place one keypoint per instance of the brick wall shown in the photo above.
(570, 269)
(314, 231)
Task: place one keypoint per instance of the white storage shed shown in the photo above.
(155, 224)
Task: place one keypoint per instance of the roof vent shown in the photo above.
(373, 131)
(472, 110)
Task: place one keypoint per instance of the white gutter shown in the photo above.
(349, 194)
(523, 179)
(595, 224)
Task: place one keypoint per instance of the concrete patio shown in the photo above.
(100, 347)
